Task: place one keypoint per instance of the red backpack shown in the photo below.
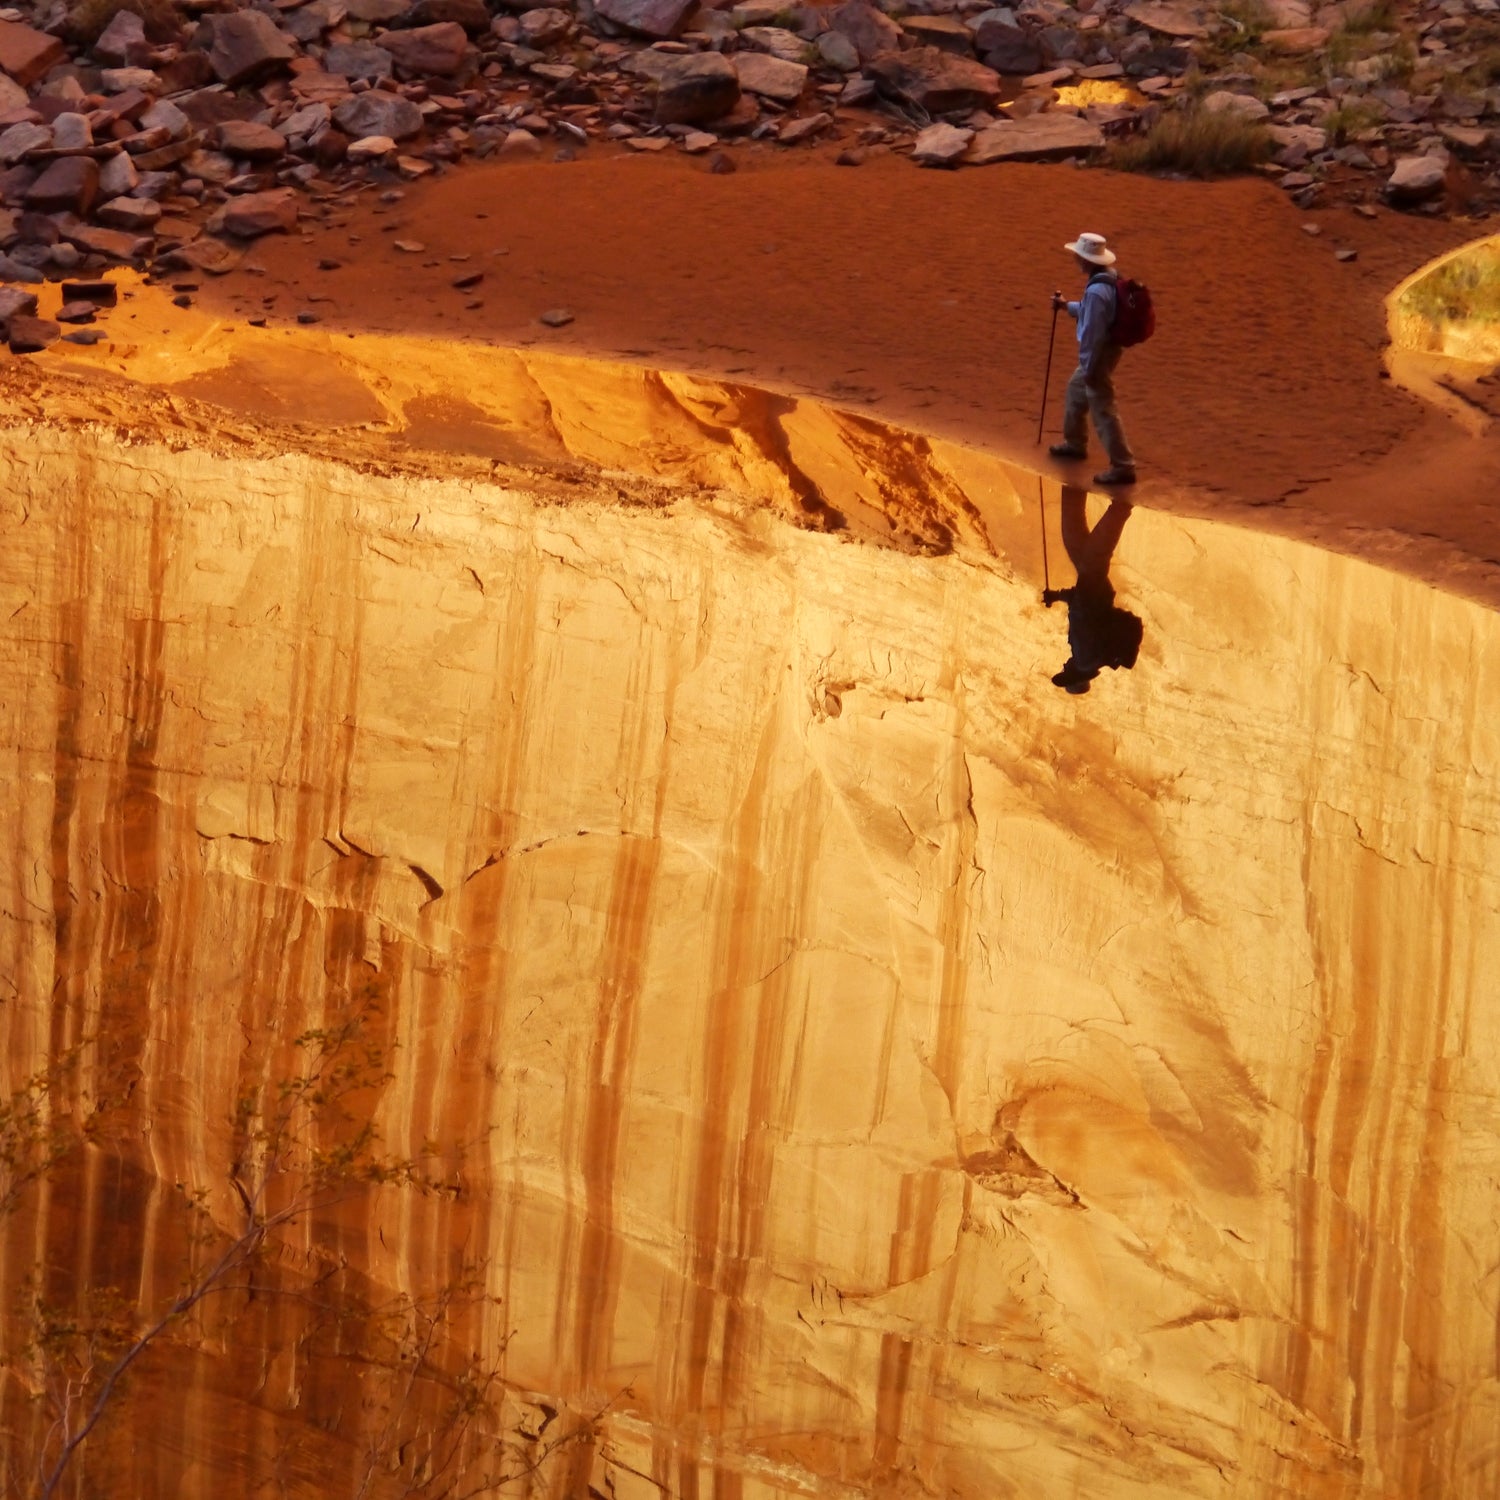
(1135, 318)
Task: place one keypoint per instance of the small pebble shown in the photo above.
(556, 317)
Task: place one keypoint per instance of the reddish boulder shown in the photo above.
(936, 81)
(695, 89)
(436, 50)
(30, 335)
(248, 45)
(256, 214)
(872, 31)
(253, 142)
(26, 53)
(654, 18)
(70, 182)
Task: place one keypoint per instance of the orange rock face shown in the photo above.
(851, 1064)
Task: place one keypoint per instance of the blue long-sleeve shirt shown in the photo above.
(1095, 315)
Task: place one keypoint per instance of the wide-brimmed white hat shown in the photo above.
(1092, 248)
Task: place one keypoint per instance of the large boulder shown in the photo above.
(654, 18)
(872, 31)
(1045, 137)
(696, 89)
(26, 53)
(378, 113)
(1003, 44)
(770, 77)
(435, 50)
(70, 182)
(936, 81)
(255, 214)
(247, 46)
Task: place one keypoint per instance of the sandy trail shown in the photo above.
(921, 297)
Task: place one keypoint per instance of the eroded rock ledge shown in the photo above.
(865, 1068)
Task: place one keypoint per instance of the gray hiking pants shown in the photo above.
(1096, 398)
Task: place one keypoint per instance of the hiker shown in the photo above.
(1100, 633)
(1091, 391)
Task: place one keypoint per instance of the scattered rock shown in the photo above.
(770, 77)
(722, 165)
(253, 142)
(15, 303)
(77, 312)
(871, 31)
(378, 113)
(1245, 105)
(937, 81)
(544, 26)
(86, 336)
(1040, 137)
(946, 32)
(409, 247)
(26, 54)
(72, 132)
(519, 145)
(166, 116)
(255, 214)
(70, 182)
(837, 51)
(139, 214)
(29, 335)
(370, 148)
(775, 40)
(358, 60)
(696, 89)
(654, 18)
(1296, 41)
(940, 145)
(557, 317)
(436, 49)
(471, 279)
(1002, 43)
(1346, 255)
(794, 132)
(1415, 179)
(19, 140)
(850, 156)
(123, 41)
(248, 46)
(1170, 17)
(100, 293)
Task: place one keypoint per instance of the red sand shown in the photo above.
(922, 296)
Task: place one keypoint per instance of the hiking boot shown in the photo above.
(1067, 450)
(1072, 679)
(1115, 474)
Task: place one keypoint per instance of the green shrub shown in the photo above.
(1195, 141)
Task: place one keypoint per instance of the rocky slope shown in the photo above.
(855, 1066)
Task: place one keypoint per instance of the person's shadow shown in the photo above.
(1100, 633)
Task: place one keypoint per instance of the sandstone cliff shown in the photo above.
(860, 1067)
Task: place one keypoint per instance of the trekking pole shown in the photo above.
(1041, 508)
(1047, 378)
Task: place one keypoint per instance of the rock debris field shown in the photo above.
(173, 138)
